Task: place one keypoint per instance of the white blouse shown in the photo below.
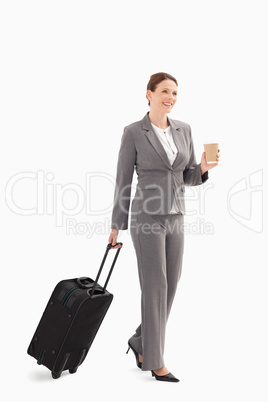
(166, 139)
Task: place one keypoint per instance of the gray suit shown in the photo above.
(157, 235)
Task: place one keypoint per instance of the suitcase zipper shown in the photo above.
(41, 356)
(69, 294)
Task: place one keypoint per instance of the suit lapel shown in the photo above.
(175, 131)
(152, 137)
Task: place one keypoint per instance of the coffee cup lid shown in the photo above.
(210, 142)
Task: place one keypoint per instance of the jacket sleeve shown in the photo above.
(124, 175)
(192, 172)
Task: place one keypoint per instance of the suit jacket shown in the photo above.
(158, 180)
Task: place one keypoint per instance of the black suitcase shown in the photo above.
(71, 321)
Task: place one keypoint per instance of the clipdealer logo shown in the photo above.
(37, 193)
(245, 201)
(49, 198)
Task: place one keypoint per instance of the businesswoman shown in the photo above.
(161, 151)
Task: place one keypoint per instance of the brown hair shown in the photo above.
(155, 79)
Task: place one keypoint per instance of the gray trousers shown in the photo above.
(159, 242)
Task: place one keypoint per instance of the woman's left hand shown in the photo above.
(207, 166)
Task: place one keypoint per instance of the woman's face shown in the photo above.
(164, 96)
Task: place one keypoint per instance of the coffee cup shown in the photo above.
(211, 150)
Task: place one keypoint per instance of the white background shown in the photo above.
(73, 74)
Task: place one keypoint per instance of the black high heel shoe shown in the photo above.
(168, 377)
(136, 355)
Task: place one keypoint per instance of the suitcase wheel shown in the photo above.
(63, 364)
(73, 370)
(56, 375)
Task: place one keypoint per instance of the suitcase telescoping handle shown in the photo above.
(108, 248)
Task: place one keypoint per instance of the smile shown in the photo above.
(167, 104)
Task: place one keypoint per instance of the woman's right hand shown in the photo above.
(113, 238)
